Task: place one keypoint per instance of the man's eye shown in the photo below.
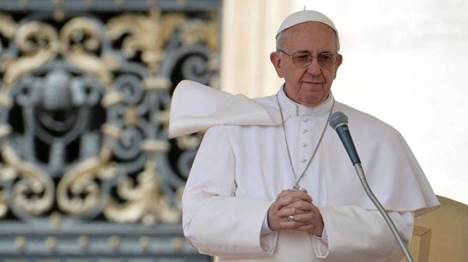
(325, 57)
(302, 57)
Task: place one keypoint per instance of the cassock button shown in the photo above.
(304, 160)
(304, 145)
(305, 131)
(306, 120)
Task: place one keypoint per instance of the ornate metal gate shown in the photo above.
(86, 170)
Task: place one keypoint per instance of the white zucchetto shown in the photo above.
(305, 16)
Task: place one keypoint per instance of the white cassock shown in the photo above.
(242, 165)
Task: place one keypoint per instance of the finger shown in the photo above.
(290, 222)
(307, 227)
(289, 225)
(293, 218)
(310, 217)
(307, 218)
(302, 206)
(286, 211)
(283, 201)
(285, 191)
(273, 218)
(295, 194)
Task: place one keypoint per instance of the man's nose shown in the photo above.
(314, 67)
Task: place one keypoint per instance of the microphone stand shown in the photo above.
(339, 122)
(388, 220)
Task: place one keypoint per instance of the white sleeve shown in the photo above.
(357, 234)
(215, 221)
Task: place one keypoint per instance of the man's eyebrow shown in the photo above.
(307, 52)
(301, 51)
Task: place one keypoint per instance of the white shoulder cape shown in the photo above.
(196, 107)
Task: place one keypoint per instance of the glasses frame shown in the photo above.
(291, 56)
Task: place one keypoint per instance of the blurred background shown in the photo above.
(86, 170)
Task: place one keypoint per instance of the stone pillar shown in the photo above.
(249, 28)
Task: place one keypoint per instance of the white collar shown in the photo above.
(291, 108)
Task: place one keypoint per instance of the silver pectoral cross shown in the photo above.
(299, 188)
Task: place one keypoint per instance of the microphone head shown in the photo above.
(338, 119)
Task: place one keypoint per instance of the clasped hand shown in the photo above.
(294, 210)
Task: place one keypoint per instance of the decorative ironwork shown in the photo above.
(84, 97)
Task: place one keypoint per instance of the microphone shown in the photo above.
(339, 122)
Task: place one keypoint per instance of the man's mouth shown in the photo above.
(312, 83)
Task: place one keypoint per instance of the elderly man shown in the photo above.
(271, 181)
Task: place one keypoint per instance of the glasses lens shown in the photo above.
(302, 59)
(326, 59)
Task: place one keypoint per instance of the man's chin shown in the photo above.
(311, 101)
(314, 86)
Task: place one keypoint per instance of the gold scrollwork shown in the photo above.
(147, 34)
(131, 116)
(39, 43)
(198, 31)
(111, 98)
(31, 181)
(162, 117)
(80, 34)
(7, 25)
(79, 192)
(188, 142)
(3, 203)
(154, 83)
(144, 201)
(80, 37)
(76, 183)
(79, 42)
(7, 29)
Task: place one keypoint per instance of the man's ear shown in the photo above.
(339, 60)
(277, 63)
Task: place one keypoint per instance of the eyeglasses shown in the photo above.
(304, 59)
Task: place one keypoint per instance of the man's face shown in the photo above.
(308, 85)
